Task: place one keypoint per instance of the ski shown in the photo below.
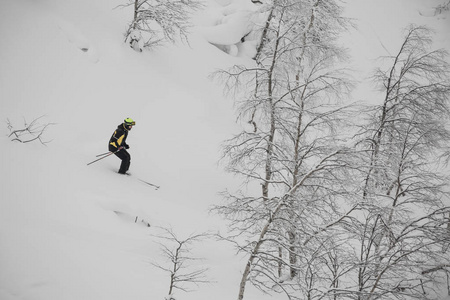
(143, 181)
(151, 184)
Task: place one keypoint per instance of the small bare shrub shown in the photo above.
(178, 252)
(29, 132)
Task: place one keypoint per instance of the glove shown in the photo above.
(126, 146)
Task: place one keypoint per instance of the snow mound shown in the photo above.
(236, 27)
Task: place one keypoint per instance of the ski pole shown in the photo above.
(102, 154)
(110, 153)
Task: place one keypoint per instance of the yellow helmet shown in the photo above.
(129, 122)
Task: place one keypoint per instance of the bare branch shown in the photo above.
(30, 132)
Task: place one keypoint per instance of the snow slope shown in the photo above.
(66, 61)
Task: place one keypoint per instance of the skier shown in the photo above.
(118, 145)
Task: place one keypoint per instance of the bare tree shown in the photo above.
(30, 132)
(404, 227)
(292, 151)
(157, 21)
(178, 252)
(308, 216)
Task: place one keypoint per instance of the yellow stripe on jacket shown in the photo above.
(119, 140)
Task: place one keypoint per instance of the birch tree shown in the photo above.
(406, 204)
(291, 150)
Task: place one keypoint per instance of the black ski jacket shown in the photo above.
(119, 137)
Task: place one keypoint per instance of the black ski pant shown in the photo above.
(124, 156)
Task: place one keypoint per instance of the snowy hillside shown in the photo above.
(69, 231)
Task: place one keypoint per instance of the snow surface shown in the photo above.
(60, 235)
